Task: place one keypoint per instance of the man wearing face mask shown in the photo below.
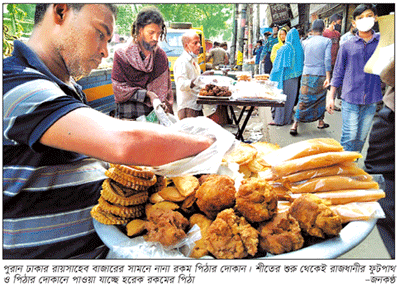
(186, 71)
(140, 71)
(360, 91)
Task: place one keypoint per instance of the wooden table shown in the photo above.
(211, 100)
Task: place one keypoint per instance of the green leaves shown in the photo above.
(17, 22)
(213, 17)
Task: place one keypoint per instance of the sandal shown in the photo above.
(323, 126)
(274, 124)
(293, 131)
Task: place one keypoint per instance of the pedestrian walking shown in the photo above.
(287, 69)
(360, 91)
(332, 33)
(257, 52)
(265, 58)
(315, 79)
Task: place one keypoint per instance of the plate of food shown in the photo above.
(114, 237)
(265, 202)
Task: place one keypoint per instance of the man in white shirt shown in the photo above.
(186, 70)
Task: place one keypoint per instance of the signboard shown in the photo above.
(279, 12)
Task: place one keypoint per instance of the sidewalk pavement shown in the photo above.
(372, 246)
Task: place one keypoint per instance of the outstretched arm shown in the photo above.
(92, 133)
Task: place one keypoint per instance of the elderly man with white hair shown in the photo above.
(186, 70)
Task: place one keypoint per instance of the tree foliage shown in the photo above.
(17, 22)
(214, 18)
(126, 16)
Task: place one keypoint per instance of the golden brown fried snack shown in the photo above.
(136, 171)
(280, 235)
(281, 191)
(264, 148)
(231, 236)
(170, 193)
(120, 189)
(166, 227)
(256, 200)
(165, 205)
(245, 170)
(156, 198)
(112, 197)
(133, 179)
(135, 227)
(242, 154)
(200, 249)
(134, 211)
(314, 217)
(124, 182)
(204, 177)
(161, 183)
(107, 218)
(186, 185)
(216, 194)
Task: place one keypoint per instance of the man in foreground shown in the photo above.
(52, 140)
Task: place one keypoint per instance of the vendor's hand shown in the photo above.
(192, 83)
(152, 96)
(164, 106)
(208, 73)
(167, 108)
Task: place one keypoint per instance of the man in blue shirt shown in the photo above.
(265, 61)
(360, 91)
(257, 52)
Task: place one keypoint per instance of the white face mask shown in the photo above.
(365, 24)
(194, 56)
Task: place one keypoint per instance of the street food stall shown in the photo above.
(185, 209)
(245, 92)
